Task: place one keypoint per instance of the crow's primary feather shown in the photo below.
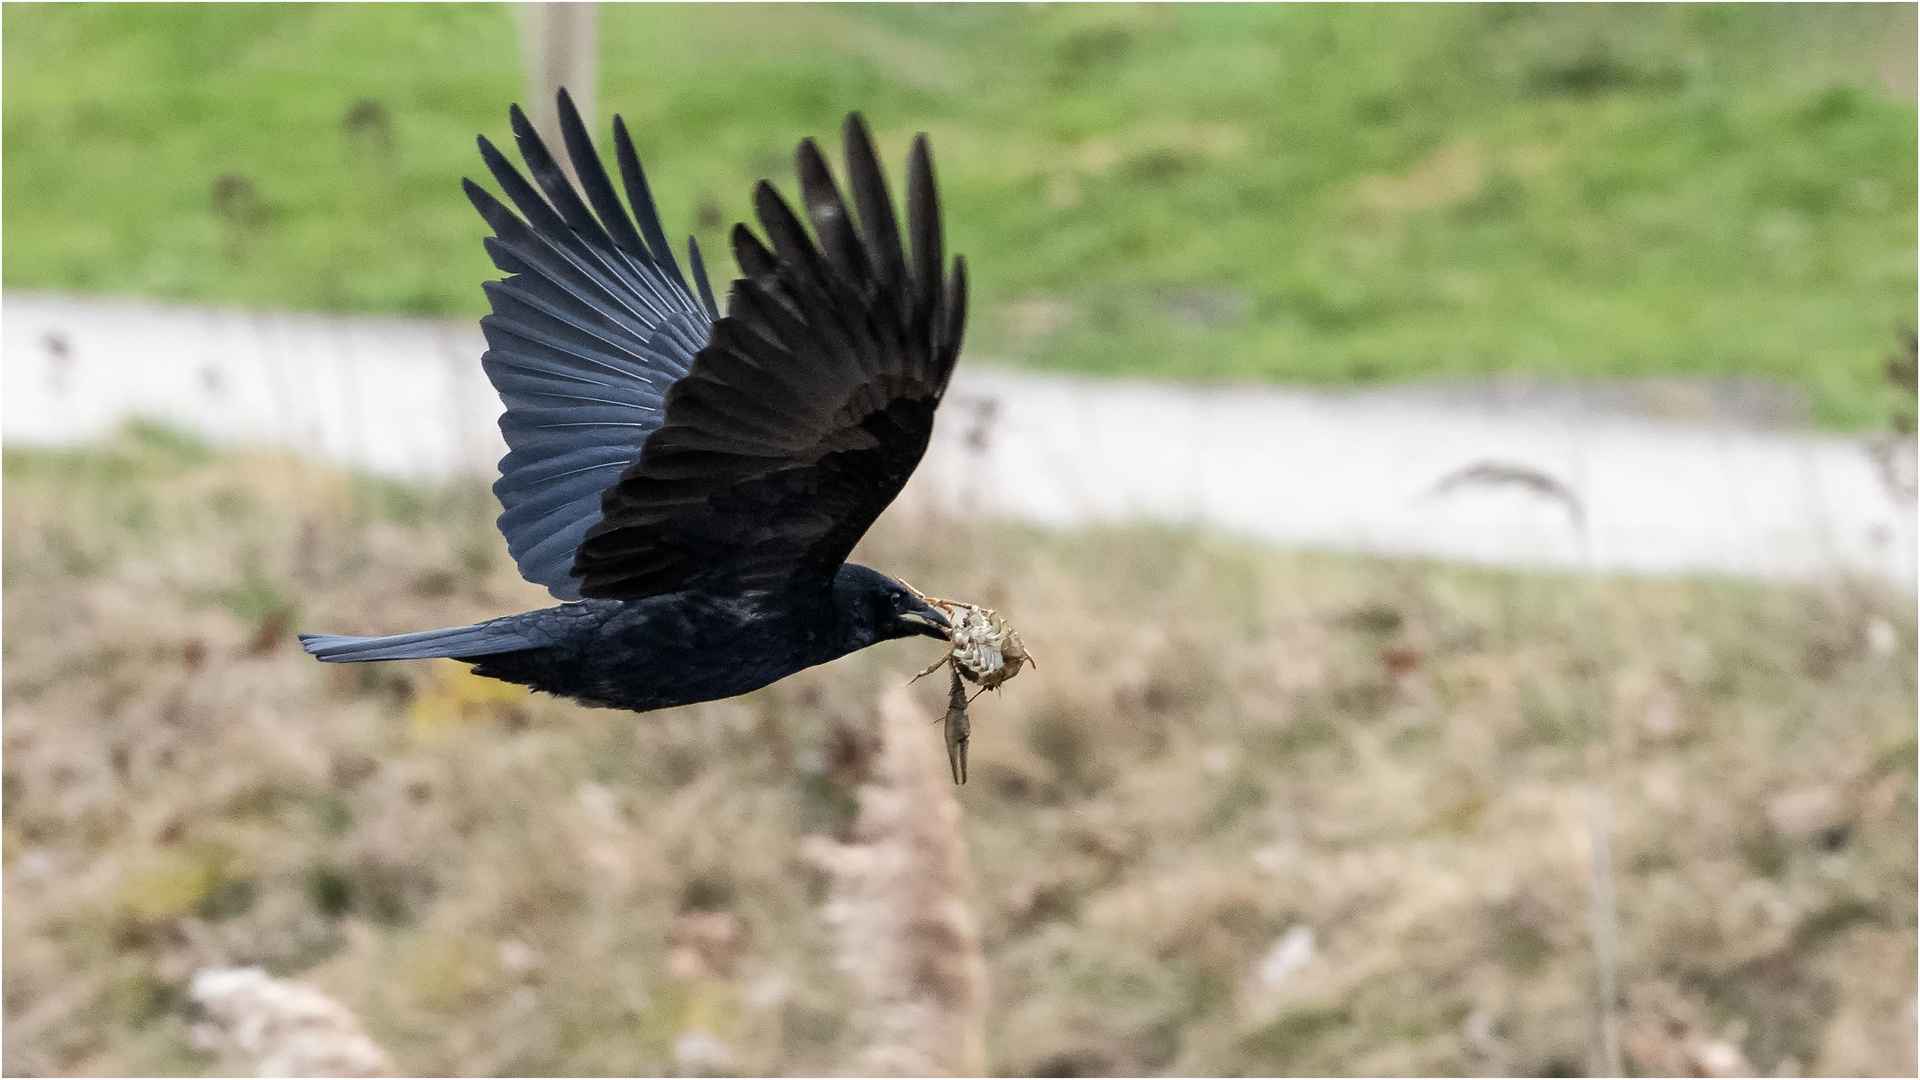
(805, 414)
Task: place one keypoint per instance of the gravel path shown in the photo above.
(1459, 473)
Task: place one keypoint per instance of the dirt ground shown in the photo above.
(1255, 812)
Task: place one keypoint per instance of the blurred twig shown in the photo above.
(1604, 912)
(1893, 452)
(1497, 473)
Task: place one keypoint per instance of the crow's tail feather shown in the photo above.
(484, 639)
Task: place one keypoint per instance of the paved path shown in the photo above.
(1364, 471)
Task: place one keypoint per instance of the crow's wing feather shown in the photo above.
(584, 340)
(812, 403)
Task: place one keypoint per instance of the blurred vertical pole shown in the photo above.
(559, 45)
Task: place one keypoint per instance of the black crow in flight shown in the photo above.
(691, 483)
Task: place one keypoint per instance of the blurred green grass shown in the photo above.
(1309, 193)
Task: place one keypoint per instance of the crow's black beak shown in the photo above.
(928, 620)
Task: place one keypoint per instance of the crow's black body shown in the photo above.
(692, 483)
(602, 645)
(692, 646)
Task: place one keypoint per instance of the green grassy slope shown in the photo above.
(1307, 193)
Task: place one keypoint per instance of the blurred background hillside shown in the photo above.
(1300, 192)
(1261, 811)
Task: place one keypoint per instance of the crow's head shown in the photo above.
(874, 607)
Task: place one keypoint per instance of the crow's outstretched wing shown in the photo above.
(804, 415)
(593, 326)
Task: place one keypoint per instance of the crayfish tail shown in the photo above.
(958, 729)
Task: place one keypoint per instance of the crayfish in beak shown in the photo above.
(986, 650)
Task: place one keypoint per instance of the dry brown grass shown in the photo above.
(1379, 764)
